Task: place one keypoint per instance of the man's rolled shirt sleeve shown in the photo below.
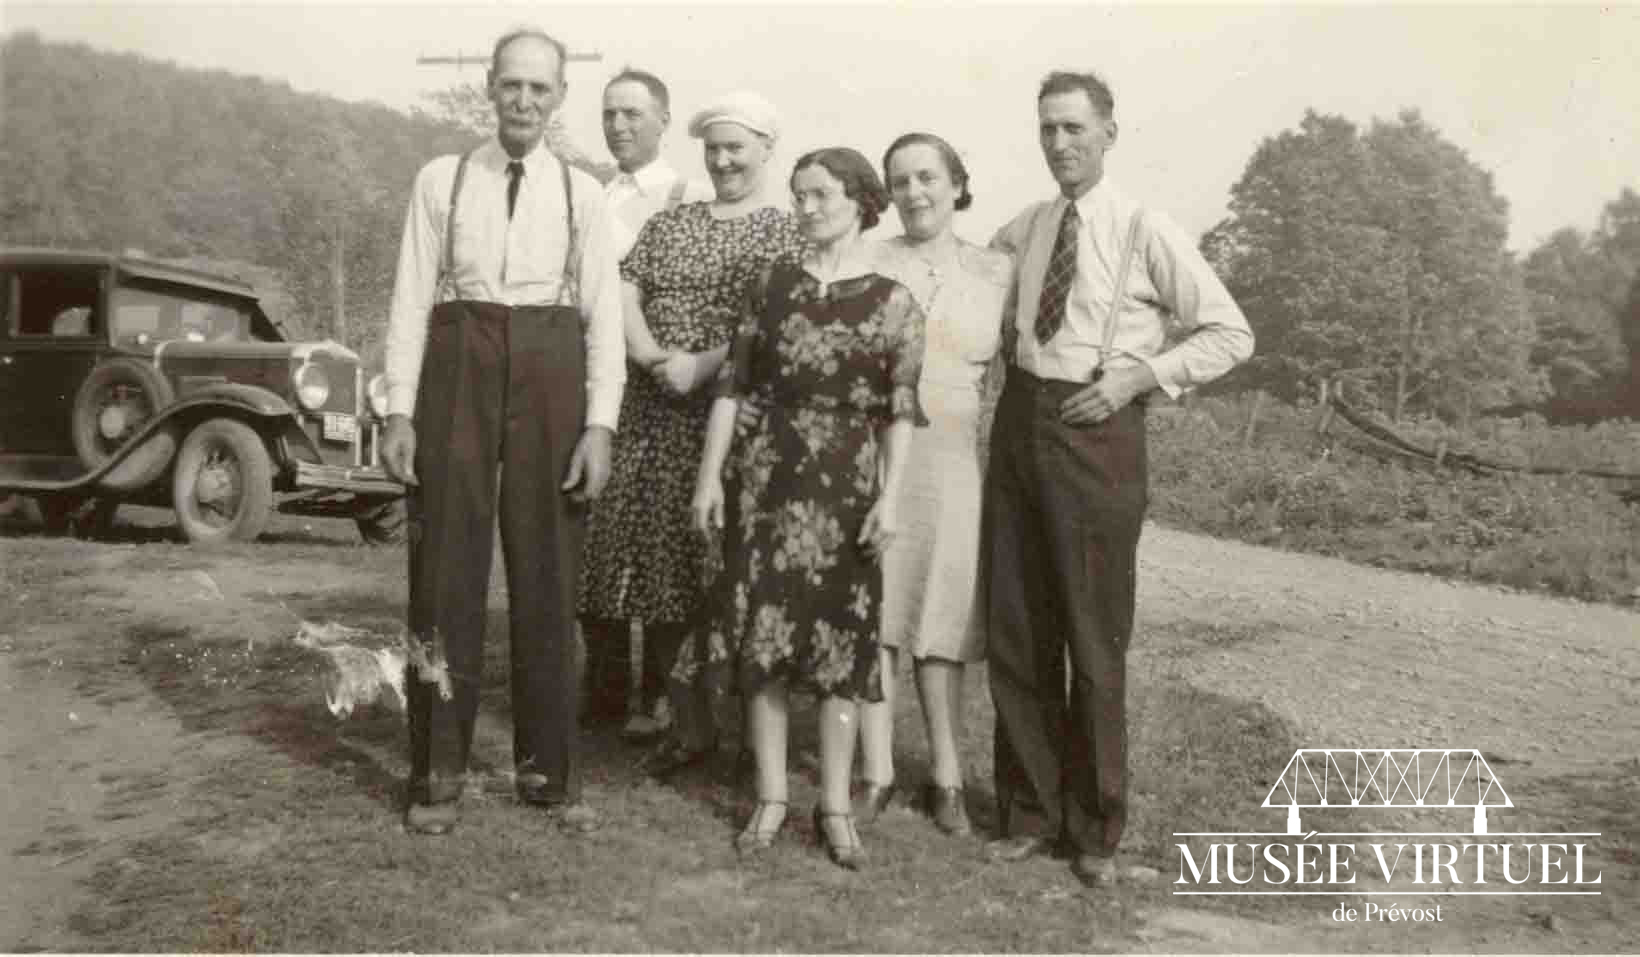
(1218, 337)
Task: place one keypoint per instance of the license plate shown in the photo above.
(340, 427)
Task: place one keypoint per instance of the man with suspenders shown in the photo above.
(636, 114)
(1099, 282)
(504, 351)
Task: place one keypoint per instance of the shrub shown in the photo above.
(1569, 535)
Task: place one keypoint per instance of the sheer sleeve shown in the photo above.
(903, 331)
(735, 376)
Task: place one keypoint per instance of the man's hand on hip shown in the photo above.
(399, 449)
(1107, 395)
(589, 465)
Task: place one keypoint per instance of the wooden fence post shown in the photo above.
(1252, 420)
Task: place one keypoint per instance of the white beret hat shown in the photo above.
(742, 107)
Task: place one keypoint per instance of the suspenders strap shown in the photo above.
(1121, 284)
(674, 199)
(448, 264)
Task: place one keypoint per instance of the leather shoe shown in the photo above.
(1094, 871)
(535, 788)
(1010, 849)
(432, 818)
(874, 800)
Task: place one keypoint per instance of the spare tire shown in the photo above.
(114, 403)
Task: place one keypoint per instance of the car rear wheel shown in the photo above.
(384, 523)
(113, 404)
(223, 486)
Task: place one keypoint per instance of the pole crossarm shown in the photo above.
(483, 59)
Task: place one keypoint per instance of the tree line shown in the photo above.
(1375, 256)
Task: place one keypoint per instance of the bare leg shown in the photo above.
(877, 727)
(939, 686)
(838, 716)
(768, 717)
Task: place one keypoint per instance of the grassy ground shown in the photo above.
(294, 843)
(233, 812)
(1563, 535)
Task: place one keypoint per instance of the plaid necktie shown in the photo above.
(1056, 282)
(515, 173)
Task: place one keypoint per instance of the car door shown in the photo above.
(54, 336)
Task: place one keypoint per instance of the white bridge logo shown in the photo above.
(1421, 777)
(1355, 781)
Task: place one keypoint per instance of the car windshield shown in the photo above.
(144, 315)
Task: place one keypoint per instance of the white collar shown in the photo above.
(536, 161)
(654, 176)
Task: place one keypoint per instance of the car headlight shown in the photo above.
(377, 393)
(312, 386)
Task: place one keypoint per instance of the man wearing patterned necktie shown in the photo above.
(1099, 282)
(636, 114)
(505, 354)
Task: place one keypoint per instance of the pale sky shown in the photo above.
(1546, 97)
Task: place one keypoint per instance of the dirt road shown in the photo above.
(1348, 656)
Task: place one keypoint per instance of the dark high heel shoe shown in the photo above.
(874, 800)
(759, 835)
(949, 809)
(850, 855)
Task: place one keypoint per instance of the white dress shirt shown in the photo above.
(1168, 281)
(516, 262)
(635, 197)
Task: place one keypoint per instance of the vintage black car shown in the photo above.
(128, 380)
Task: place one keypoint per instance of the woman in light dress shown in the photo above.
(932, 606)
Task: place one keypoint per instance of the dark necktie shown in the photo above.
(515, 174)
(1061, 274)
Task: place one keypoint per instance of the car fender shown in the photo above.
(235, 396)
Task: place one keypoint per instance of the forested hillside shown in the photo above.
(112, 151)
(1374, 255)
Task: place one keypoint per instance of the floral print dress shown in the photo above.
(641, 559)
(798, 599)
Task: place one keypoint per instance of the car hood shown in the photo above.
(188, 348)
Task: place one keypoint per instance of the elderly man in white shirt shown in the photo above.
(636, 114)
(1100, 282)
(504, 349)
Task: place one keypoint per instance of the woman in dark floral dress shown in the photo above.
(685, 283)
(831, 351)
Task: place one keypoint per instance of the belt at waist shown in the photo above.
(458, 309)
(1054, 390)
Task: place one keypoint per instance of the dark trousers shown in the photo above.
(500, 388)
(1063, 509)
(609, 663)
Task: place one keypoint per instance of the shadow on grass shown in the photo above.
(272, 694)
(295, 848)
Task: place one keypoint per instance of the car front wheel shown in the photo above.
(223, 486)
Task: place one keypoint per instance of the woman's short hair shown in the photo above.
(860, 182)
(953, 163)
